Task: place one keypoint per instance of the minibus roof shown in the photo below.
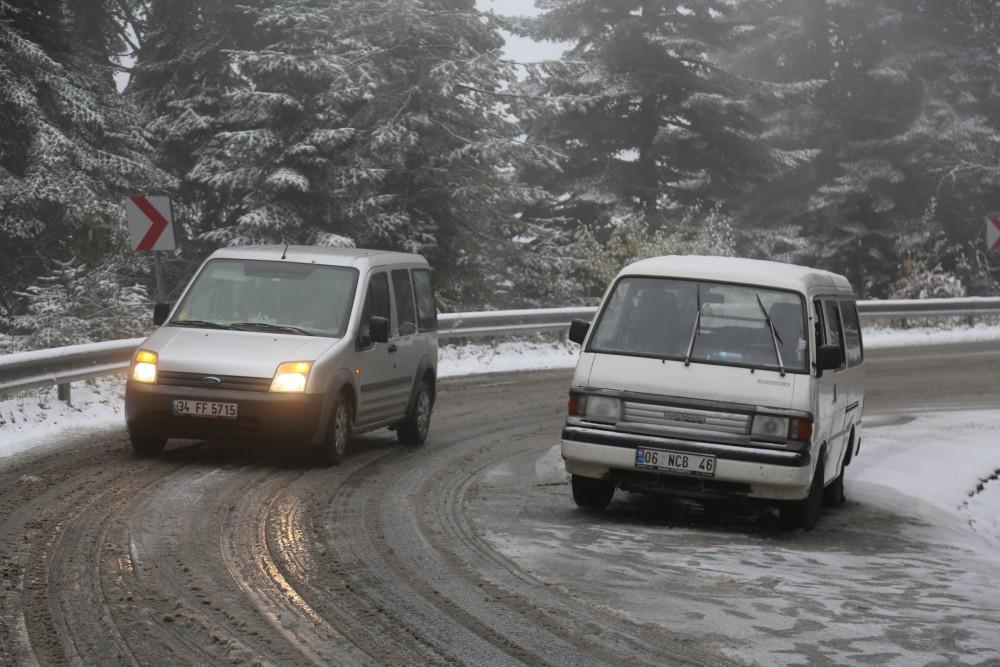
(356, 257)
(742, 271)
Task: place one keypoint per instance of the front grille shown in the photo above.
(231, 382)
(686, 421)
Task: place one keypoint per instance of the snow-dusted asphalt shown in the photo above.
(468, 550)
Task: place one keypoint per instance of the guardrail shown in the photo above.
(62, 365)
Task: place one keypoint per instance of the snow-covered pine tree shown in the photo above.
(903, 109)
(266, 173)
(645, 120)
(432, 166)
(69, 148)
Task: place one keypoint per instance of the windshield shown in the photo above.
(270, 297)
(704, 322)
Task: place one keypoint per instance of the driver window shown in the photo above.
(376, 304)
(833, 330)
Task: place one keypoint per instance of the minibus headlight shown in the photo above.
(291, 376)
(603, 408)
(144, 369)
(770, 426)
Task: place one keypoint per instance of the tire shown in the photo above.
(833, 495)
(805, 513)
(147, 445)
(338, 433)
(592, 494)
(413, 429)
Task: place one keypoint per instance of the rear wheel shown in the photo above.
(338, 435)
(146, 444)
(805, 513)
(592, 494)
(413, 429)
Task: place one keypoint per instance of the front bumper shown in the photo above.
(261, 416)
(755, 472)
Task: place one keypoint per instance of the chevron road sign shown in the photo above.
(150, 223)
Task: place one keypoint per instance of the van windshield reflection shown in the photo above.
(270, 297)
(704, 322)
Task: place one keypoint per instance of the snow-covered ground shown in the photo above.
(943, 466)
(36, 418)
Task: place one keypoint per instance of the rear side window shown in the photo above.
(831, 320)
(406, 316)
(426, 312)
(852, 333)
(376, 304)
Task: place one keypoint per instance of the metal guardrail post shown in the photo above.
(64, 393)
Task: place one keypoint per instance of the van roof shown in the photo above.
(307, 254)
(740, 270)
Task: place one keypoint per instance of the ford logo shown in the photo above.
(211, 381)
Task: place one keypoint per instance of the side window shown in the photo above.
(852, 333)
(376, 303)
(831, 321)
(406, 316)
(426, 312)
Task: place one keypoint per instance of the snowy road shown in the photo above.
(468, 550)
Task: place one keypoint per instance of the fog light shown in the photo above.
(291, 376)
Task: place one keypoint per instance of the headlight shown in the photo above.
(770, 426)
(603, 408)
(145, 367)
(291, 377)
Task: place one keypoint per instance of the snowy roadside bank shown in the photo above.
(37, 418)
(944, 466)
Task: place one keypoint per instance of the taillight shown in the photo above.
(577, 404)
(801, 429)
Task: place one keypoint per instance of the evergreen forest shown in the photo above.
(859, 136)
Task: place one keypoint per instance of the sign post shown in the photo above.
(151, 228)
(993, 232)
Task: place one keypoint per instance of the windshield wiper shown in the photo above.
(198, 324)
(775, 338)
(694, 331)
(264, 326)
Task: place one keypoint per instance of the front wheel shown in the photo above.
(338, 435)
(805, 513)
(592, 494)
(413, 429)
(147, 445)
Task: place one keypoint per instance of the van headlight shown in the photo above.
(291, 376)
(770, 426)
(603, 408)
(144, 369)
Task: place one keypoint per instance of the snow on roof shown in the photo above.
(319, 255)
(741, 270)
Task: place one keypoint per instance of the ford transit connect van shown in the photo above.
(290, 345)
(714, 376)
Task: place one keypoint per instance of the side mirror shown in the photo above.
(578, 331)
(829, 357)
(379, 329)
(160, 313)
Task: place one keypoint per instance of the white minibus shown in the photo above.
(715, 376)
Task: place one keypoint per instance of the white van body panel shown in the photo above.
(668, 389)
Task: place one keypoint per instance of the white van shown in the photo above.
(290, 345)
(717, 376)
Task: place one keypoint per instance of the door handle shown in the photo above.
(393, 347)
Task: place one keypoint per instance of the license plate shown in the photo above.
(682, 462)
(210, 409)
